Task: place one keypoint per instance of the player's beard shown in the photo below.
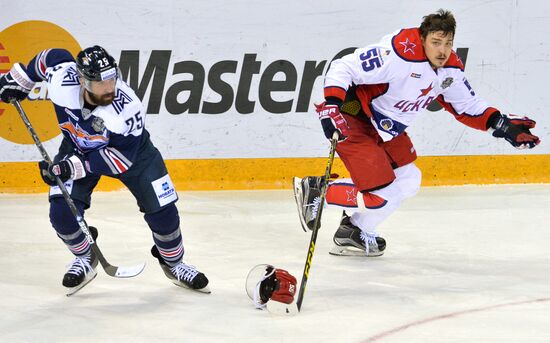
(102, 100)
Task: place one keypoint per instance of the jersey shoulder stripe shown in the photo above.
(408, 46)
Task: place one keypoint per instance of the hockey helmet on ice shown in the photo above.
(95, 64)
(265, 282)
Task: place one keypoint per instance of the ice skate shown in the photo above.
(182, 274)
(82, 270)
(307, 192)
(350, 240)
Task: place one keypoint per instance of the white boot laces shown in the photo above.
(184, 272)
(80, 265)
(315, 207)
(370, 240)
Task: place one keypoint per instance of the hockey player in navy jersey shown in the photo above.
(103, 126)
(371, 97)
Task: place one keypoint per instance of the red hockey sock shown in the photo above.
(345, 195)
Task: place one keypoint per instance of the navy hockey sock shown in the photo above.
(167, 234)
(66, 226)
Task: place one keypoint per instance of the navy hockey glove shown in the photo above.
(332, 120)
(515, 129)
(15, 84)
(71, 167)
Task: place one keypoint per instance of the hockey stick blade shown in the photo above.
(114, 271)
(124, 272)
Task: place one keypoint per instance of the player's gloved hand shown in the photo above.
(332, 120)
(71, 167)
(15, 84)
(516, 130)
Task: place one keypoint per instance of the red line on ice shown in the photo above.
(401, 328)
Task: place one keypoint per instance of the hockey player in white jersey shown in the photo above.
(103, 126)
(371, 97)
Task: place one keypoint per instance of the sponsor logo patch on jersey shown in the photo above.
(416, 76)
(386, 124)
(98, 124)
(165, 191)
(447, 82)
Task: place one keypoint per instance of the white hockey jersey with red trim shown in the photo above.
(395, 83)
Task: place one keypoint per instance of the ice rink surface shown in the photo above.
(463, 264)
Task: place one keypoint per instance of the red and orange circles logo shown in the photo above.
(20, 43)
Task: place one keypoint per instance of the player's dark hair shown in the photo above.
(441, 20)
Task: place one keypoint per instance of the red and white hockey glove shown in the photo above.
(332, 120)
(516, 130)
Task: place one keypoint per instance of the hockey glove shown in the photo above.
(515, 129)
(71, 167)
(16, 84)
(332, 120)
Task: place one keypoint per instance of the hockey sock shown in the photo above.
(66, 226)
(345, 194)
(167, 234)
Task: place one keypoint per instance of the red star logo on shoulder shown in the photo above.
(409, 46)
(425, 91)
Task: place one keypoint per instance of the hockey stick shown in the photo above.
(317, 222)
(114, 271)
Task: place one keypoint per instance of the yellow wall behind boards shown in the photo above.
(277, 173)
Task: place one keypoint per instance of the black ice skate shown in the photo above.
(350, 241)
(82, 270)
(182, 274)
(307, 192)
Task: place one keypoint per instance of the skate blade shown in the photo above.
(205, 290)
(348, 251)
(297, 196)
(281, 309)
(87, 280)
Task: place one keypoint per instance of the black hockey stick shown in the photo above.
(120, 272)
(317, 222)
